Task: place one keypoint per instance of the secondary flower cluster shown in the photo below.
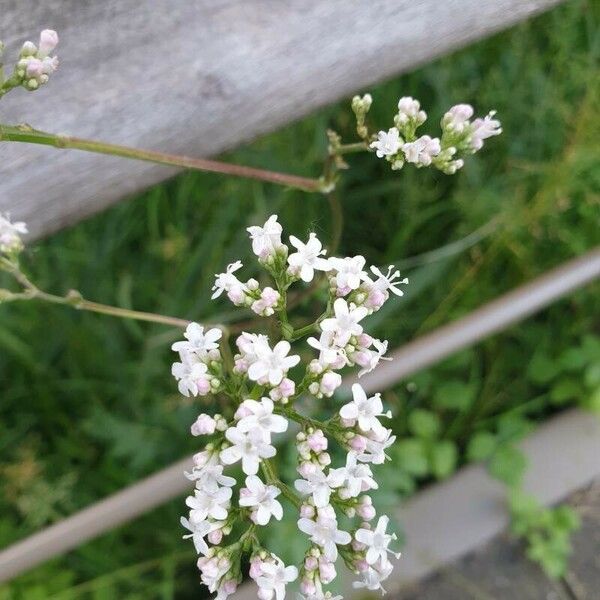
(35, 65)
(460, 137)
(263, 380)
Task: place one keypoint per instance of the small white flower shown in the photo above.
(377, 444)
(10, 235)
(198, 340)
(307, 258)
(422, 150)
(272, 365)
(262, 418)
(389, 282)
(266, 240)
(210, 477)
(482, 129)
(325, 533)
(364, 410)
(372, 578)
(262, 498)
(320, 485)
(191, 374)
(207, 503)
(345, 323)
(377, 541)
(249, 447)
(387, 143)
(225, 282)
(357, 477)
(349, 271)
(328, 352)
(198, 531)
(275, 577)
(376, 356)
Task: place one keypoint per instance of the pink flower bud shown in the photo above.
(236, 295)
(307, 511)
(358, 443)
(34, 68)
(270, 296)
(204, 425)
(215, 537)
(287, 387)
(366, 511)
(201, 458)
(241, 412)
(361, 565)
(347, 422)
(330, 382)
(362, 358)
(364, 340)
(203, 386)
(306, 469)
(255, 567)
(307, 587)
(317, 441)
(48, 41)
(326, 571)
(376, 299)
(230, 586)
(310, 563)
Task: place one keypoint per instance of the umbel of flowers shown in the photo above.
(257, 379)
(461, 135)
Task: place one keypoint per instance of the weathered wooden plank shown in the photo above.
(200, 77)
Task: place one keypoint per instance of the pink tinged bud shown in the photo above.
(245, 492)
(348, 422)
(366, 511)
(229, 587)
(307, 511)
(35, 68)
(215, 537)
(376, 299)
(255, 567)
(343, 291)
(324, 459)
(339, 363)
(241, 365)
(358, 443)
(204, 425)
(270, 296)
(357, 546)
(287, 387)
(310, 563)
(254, 517)
(327, 572)
(306, 469)
(362, 565)
(48, 41)
(307, 587)
(362, 358)
(330, 382)
(317, 441)
(364, 340)
(236, 295)
(201, 458)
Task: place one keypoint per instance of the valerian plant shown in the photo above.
(262, 382)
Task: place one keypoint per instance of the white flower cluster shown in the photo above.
(258, 380)
(460, 137)
(35, 65)
(10, 235)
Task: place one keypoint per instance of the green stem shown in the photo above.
(352, 148)
(25, 133)
(271, 478)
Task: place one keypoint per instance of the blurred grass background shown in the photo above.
(88, 405)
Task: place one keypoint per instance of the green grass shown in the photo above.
(88, 404)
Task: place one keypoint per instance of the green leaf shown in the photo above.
(565, 390)
(481, 446)
(592, 375)
(454, 394)
(542, 369)
(444, 456)
(508, 465)
(424, 423)
(592, 402)
(412, 457)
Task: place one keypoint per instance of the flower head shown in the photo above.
(262, 499)
(422, 150)
(377, 541)
(345, 323)
(307, 258)
(261, 418)
(266, 240)
(271, 365)
(198, 340)
(387, 143)
(249, 447)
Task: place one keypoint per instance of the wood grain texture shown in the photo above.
(200, 77)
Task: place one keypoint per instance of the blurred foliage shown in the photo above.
(88, 405)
